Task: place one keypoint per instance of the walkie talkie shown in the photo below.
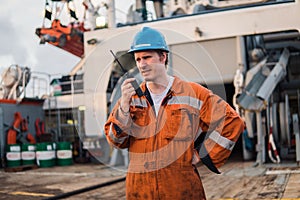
(135, 85)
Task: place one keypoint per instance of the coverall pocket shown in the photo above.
(139, 116)
(183, 123)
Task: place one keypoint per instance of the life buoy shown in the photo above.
(30, 138)
(39, 127)
(12, 132)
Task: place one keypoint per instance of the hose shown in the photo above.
(86, 189)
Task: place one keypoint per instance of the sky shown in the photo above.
(19, 44)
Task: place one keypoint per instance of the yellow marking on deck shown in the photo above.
(228, 199)
(289, 199)
(31, 194)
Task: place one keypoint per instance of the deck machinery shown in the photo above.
(20, 110)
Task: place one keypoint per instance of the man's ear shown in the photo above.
(163, 57)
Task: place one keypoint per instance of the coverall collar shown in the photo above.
(176, 87)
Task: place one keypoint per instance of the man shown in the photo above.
(169, 128)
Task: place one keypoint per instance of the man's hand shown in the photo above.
(127, 92)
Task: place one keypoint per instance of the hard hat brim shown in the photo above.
(148, 49)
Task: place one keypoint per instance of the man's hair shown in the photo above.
(161, 53)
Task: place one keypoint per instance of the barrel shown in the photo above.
(13, 155)
(28, 154)
(64, 153)
(45, 154)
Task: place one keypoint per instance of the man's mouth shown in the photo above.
(145, 71)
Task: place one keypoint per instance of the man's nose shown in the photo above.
(143, 63)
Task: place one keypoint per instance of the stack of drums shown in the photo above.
(45, 154)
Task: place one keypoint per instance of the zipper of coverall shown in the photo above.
(163, 104)
(149, 99)
(158, 118)
(160, 115)
(162, 107)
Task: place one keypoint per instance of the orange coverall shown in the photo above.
(161, 148)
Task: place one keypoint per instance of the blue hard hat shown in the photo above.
(148, 39)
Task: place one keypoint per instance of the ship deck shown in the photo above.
(239, 180)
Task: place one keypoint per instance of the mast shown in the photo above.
(111, 14)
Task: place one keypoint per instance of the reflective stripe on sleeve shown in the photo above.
(186, 100)
(115, 139)
(222, 141)
(139, 102)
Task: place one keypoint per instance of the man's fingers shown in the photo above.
(129, 80)
(127, 84)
